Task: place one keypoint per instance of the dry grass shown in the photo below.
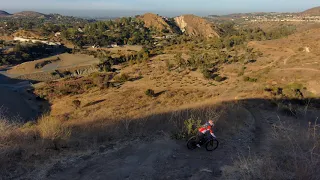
(53, 129)
(7, 127)
(127, 109)
(295, 154)
(65, 61)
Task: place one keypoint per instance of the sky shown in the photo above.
(163, 7)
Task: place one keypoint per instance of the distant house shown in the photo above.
(80, 30)
(114, 45)
(57, 34)
(95, 46)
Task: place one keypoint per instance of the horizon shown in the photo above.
(110, 8)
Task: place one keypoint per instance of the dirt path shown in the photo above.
(292, 54)
(261, 143)
(298, 69)
(162, 158)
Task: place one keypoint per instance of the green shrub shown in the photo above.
(67, 73)
(249, 79)
(53, 73)
(206, 74)
(150, 93)
(168, 65)
(122, 78)
(219, 78)
(191, 126)
(76, 103)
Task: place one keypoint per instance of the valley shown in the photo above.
(119, 99)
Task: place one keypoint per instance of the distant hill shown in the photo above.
(196, 26)
(155, 21)
(312, 12)
(27, 34)
(29, 14)
(4, 13)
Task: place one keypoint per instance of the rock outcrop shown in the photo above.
(155, 21)
(196, 26)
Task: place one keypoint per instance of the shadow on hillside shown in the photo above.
(18, 102)
(53, 51)
(234, 128)
(303, 111)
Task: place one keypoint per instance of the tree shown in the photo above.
(18, 47)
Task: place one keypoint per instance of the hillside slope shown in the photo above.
(196, 26)
(154, 21)
(312, 12)
(4, 13)
(29, 14)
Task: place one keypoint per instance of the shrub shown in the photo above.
(206, 74)
(249, 79)
(53, 73)
(76, 103)
(29, 124)
(168, 65)
(150, 93)
(5, 127)
(219, 78)
(53, 130)
(122, 78)
(294, 155)
(191, 126)
(67, 73)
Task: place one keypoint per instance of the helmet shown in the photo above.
(211, 122)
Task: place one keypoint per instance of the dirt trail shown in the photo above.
(162, 158)
(298, 69)
(261, 142)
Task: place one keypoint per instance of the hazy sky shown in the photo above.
(169, 7)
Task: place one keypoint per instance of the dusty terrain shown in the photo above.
(61, 62)
(312, 12)
(121, 133)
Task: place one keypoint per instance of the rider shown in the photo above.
(203, 130)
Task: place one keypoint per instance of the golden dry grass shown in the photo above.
(65, 61)
(105, 111)
(52, 129)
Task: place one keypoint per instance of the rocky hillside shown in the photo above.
(155, 21)
(29, 14)
(312, 12)
(4, 13)
(196, 26)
